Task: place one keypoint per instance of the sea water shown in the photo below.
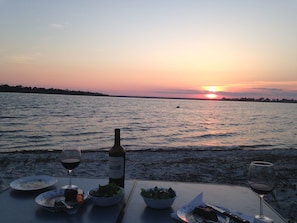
(53, 122)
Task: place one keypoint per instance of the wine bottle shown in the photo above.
(117, 157)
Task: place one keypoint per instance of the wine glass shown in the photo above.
(70, 159)
(261, 178)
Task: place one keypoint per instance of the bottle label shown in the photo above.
(116, 167)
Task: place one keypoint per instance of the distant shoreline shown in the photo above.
(38, 90)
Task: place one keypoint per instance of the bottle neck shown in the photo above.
(117, 137)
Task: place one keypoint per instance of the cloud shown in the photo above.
(272, 93)
(23, 59)
(179, 91)
(269, 89)
(57, 26)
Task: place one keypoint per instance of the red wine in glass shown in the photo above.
(261, 178)
(70, 159)
(70, 163)
(261, 188)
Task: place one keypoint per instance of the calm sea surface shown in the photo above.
(51, 122)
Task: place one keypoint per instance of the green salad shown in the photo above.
(108, 190)
(158, 193)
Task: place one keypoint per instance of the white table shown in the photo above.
(19, 207)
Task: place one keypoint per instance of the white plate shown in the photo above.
(47, 201)
(33, 183)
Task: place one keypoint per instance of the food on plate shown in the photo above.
(206, 213)
(34, 184)
(72, 197)
(59, 203)
(70, 194)
(80, 198)
(158, 193)
(108, 190)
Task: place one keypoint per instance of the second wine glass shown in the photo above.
(70, 159)
(261, 178)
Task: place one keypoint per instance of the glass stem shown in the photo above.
(69, 173)
(261, 205)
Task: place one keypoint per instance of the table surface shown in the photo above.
(20, 206)
(237, 198)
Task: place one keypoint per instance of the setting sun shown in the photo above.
(211, 92)
(211, 96)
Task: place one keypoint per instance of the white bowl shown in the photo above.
(158, 203)
(106, 201)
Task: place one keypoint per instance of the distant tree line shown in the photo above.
(21, 89)
(284, 100)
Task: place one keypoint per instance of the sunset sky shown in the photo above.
(164, 48)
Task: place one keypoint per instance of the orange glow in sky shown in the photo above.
(183, 49)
